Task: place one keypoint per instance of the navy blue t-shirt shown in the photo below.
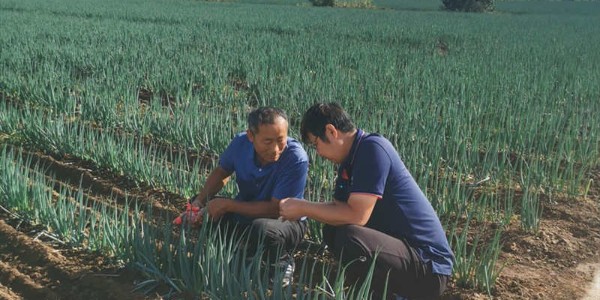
(402, 210)
(281, 179)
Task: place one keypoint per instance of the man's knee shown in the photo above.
(260, 224)
(345, 241)
(262, 228)
(277, 231)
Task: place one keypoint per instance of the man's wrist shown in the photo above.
(197, 201)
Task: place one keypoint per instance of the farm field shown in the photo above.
(112, 113)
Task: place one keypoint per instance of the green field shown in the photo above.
(512, 95)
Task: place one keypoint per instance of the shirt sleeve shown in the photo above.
(370, 169)
(226, 160)
(291, 181)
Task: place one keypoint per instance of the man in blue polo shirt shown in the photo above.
(378, 208)
(268, 166)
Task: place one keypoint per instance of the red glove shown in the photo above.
(190, 214)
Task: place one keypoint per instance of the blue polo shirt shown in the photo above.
(281, 179)
(374, 167)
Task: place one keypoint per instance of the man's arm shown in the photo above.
(290, 183)
(214, 183)
(254, 209)
(217, 207)
(356, 211)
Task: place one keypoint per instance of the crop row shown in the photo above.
(203, 263)
(75, 141)
(489, 119)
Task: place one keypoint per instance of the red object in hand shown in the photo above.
(191, 213)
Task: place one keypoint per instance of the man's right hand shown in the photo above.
(193, 214)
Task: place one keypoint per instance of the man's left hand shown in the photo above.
(291, 209)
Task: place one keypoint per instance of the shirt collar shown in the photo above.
(357, 139)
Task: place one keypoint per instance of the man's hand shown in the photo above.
(192, 214)
(291, 209)
(217, 207)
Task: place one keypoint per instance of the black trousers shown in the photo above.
(397, 263)
(275, 236)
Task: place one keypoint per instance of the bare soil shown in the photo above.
(30, 269)
(558, 262)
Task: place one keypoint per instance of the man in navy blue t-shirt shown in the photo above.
(268, 166)
(378, 208)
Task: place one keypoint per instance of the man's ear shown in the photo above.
(250, 135)
(331, 132)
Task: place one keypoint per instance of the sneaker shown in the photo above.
(288, 272)
(285, 270)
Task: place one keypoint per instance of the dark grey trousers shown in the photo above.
(397, 263)
(274, 236)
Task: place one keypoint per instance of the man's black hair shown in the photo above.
(319, 115)
(264, 115)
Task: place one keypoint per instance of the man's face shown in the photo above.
(270, 140)
(324, 149)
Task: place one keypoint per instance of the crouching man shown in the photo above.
(377, 208)
(268, 166)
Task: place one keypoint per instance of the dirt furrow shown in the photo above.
(38, 271)
(104, 185)
(24, 284)
(7, 294)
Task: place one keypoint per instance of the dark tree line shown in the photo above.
(469, 5)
